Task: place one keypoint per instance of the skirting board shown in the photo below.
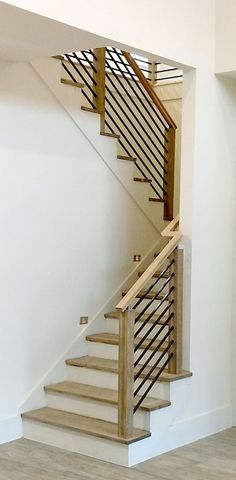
(180, 433)
(10, 429)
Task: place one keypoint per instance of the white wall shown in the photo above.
(207, 186)
(225, 59)
(69, 230)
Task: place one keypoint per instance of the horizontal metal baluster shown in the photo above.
(139, 60)
(136, 118)
(108, 75)
(88, 99)
(152, 340)
(162, 314)
(84, 60)
(91, 53)
(69, 72)
(169, 78)
(155, 297)
(138, 166)
(153, 382)
(155, 282)
(86, 70)
(135, 162)
(130, 82)
(143, 92)
(143, 297)
(89, 61)
(74, 80)
(166, 70)
(152, 368)
(150, 126)
(132, 134)
(82, 76)
(136, 154)
(129, 155)
(151, 301)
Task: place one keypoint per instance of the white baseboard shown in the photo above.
(179, 434)
(10, 429)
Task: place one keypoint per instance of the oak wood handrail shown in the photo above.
(155, 265)
(149, 89)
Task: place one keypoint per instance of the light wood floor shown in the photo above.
(208, 459)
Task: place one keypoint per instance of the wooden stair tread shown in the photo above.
(58, 57)
(153, 199)
(105, 395)
(116, 313)
(83, 424)
(156, 275)
(124, 157)
(111, 366)
(108, 134)
(89, 109)
(144, 180)
(145, 295)
(113, 339)
(72, 83)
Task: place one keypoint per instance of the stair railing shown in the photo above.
(116, 85)
(158, 313)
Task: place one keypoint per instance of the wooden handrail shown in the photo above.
(149, 89)
(155, 265)
(170, 230)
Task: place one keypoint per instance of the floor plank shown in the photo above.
(212, 458)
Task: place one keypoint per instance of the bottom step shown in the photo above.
(80, 423)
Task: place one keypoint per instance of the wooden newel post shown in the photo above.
(170, 175)
(126, 373)
(99, 77)
(175, 365)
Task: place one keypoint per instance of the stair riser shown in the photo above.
(107, 351)
(94, 409)
(76, 442)
(103, 379)
(112, 326)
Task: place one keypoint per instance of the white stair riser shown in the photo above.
(94, 409)
(76, 442)
(102, 350)
(112, 326)
(102, 379)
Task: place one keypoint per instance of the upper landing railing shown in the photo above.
(121, 89)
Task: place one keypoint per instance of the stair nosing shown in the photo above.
(113, 339)
(71, 83)
(164, 377)
(55, 388)
(34, 416)
(124, 157)
(142, 180)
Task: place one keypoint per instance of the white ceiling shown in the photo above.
(25, 35)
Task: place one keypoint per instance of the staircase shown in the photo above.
(105, 406)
